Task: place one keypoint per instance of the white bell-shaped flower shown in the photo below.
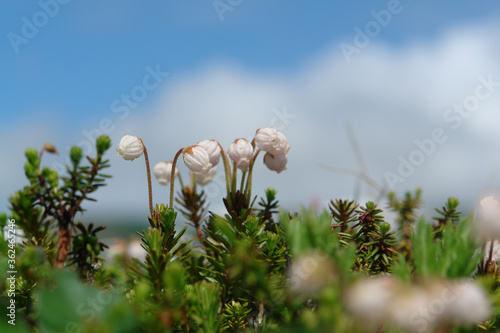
(197, 159)
(271, 141)
(469, 303)
(213, 149)
(276, 162)
(130, 148)
(240, 152)
(368, 299)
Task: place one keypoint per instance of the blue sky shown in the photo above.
(263, 56)
(92, 50)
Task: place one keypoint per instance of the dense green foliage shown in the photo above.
(252, 269)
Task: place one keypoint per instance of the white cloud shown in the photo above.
(390, 96)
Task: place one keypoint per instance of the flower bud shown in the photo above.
(240, 152)
(276, 162)
(197, 159)
(32, 156)
(271, 141)
(30, 170)
(75, 154)
(205, 178)
(163, 172)
(50, 148)
(213, 150)
(53, 178)
(102, 144)
(130, 148)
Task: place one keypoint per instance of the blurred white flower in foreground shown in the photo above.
(417, 308)
(130, 148)
(310, 273)
(471, 304)
(487, 220)
(368, 299)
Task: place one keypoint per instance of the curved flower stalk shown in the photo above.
(48, 147)
(130, 148)
(194, 203)
(196, 159)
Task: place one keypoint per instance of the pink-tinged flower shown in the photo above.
(197, 159)
(213, 150)
(487, 221)
(163, 172)
(271, 141)
(276, 162)
(130, 148)
(240, 152)
(205, 178)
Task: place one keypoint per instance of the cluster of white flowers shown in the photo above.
(417, 308)
(274, 143)
(203, 157)
(241, 152)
